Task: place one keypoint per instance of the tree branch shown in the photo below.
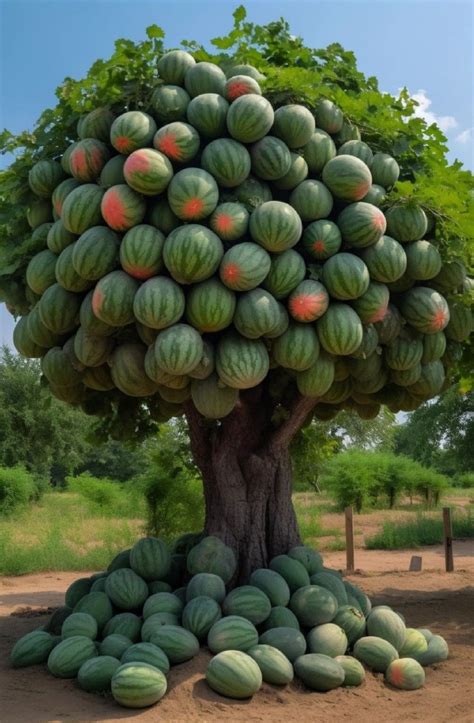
(281, 437)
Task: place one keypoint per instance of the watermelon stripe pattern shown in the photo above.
(87, 160)
(241, 363)
(148, 171)
(178, 141)
(244, 266)
(226, 160)
(141, 251)
(193, 194)
(82, 208)
(122, 207)
(271, 158)
(132, 130)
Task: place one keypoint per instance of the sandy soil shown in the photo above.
(440, 601)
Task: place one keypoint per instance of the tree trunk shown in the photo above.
(246, 471)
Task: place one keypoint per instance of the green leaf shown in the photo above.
(154, 31)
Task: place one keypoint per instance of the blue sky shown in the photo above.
(424, 45)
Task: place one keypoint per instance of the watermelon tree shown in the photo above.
(251, 237)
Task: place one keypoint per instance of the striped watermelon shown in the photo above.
(122, 207)
(230, 221)
(159, 303)
(92, 351)
(249, 602)
(148, 171)
(212, 399)
(112, 172)
(126, 589)
(132, 130)
(172, 66)
(249, 118)
(58, 369)
(340, 330)
(386, 260)
(112, 300)
(271, 158)
(297, 348)
(44, 177)
(227, 161)
(425, 309)
(390, 326)
(321, 239)
(98, 378)
(244, 266)
(87, 159)
(241, 363)
(96, 124)
(282, 324)
(297, 173)
(406, 223)
(59, 309)
(451, 277)
(206, 366)
(359, 149)
(376, 195)
(240, 85)
(61, 192)
(308, 301)
(127, 364)
(460, 322)
(95, 253)
(372, 305)
(210, 306)
(319, 150)
(23, 342)
(385, 170)
(141, 251)
(138, 685)
(40, 272)
(404, 353)
(423, 260)
(256, 314)
(193, 194)
(361, 224)
(287, 270)
(234, 674)
(430, 381)
(90, 322)
(66, 658)
(178, 349)
(169, 103)
(178, 141)
(39, 212)
(345, 276)
(347, 177)
(66, 274)
(312, 200)
(434, 346)
(294, 124)
(82, 208)
(192, 253)
(207, 113)
(204, 78)
(39, 237)
(38, 332)
(328, 116)
(232, 633)
(65, 158)
(160, 215)
(405, 673)
(276, 226)
(200, 613)
(245, 70)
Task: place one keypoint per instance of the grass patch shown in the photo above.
(422, 531)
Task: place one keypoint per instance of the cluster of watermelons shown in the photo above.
(153, 608)
(192, 248)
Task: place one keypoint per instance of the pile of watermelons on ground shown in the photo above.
(122, 629)
(201, 245)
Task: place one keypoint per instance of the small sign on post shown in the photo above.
(448, 539)
(350, 567)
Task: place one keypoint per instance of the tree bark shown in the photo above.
(246, 470)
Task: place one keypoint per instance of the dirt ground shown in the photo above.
(442, 602)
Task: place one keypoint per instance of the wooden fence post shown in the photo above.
(349, 539)
(448, 539)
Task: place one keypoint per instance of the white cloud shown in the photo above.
(464, 136)
(422, 110)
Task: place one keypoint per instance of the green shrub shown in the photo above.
(17, 489)
(465, 480)
(350, 480)
(422, 531)
(104, 496)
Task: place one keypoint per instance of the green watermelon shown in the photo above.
(313, 605)
(178, 141)
(331, 582)
(406, 377)
(241, 363)
(90, 322)
(192, 253)
(312, 200)
(122, 207)
(345, 276)
(38, 212)
(375, 195)
(352, 621)
(249, 118)
(178, 349)
(95, 675)
(112, 300)
(240, 85)
(95, 253)
(385, 170)
(59, 309)
(357, 148)
(248, 602)
(390, 326)
(294, 124)
(361, 224)
(82, 208)
(297, 173)
(328, 116)
(127, 363)
(150, 558)
(308, 301)
(321, 239)
(297, 348)
(192, 194)
(281, 325)
(210, 306)
(245, 70)
(319, 150)
(126, 589)
(98, 378)
(423, 260)
(406, 223)
(207, 113)
(384, 623)
(206, 584)
(288, 640)
(251, 193)
(112, 172)
(162, 602)
(309, 558)
(66, 275)
(430, 382)
(147, 171)
(132, 130)
(96, 124)
(57, 368)
(206, 366)
(436, 653)
(404, 353)
(159, 302)
(200, 614)
(244, 266)
(256, 313)
(229, 221)
(58, 237)
(232, 633)
(38, 332)
(147, 653)
(172, 66)
(155, 622)
(141, 251)
(227, 161)
(177, 643)
(272, 584)
(66, 658)
(327, 639)
(434, 346)
(92, 351)
(40, 272)
(234, 674)
(375, 652)
(354, 673)
(65, 158)
(340, 330)
(372, 306)
(87, 160)
(406, 674)
(280, 617)
(415, 644)
(319, 672)
(347, 177)
(425, 309)
(138, 685)
(291, 570)
(286, 272)
(114, 645)
(204, 78)
(44, 177)
(386, 260)
(275, 667)
(271, 158)
(32, 649)
(61, 192)
(451, 277)
(460, 324)
(211, 555)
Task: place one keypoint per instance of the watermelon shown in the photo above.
(240, 85)
(44, 177)
(386, 259)
(229, 221)
(178, 349)
(312, 200)
(155, 622)
(460, 323)
(170, 103)
(271, 158)
(58, 237)
(321, 239)
(162, 602)
(256, 313)
(434, 346)
(423, 260)
(92, 351)
(66, 275)
(232, 633)
(361, 224)
(100, 379)
(65, 158)
(206, 584)
(372, 306)
(178, 141)
(38, 332)
(297, 348)
(385, 170)
(161, 216)
(313, 605)
(245, 70)
(451, 277)
(207, 113)
(309, 558)
(58, 369)
(39, 212)
(114, 645)
(206, 366)
(87, 160)
(294, 124)
(77, 590)
(370, 340)
(204, 78)
(244, 266)
(112, 300)
(328, 116)
(147, 171)
(425, 309)
(404, 353)
(122, 207)
(241, 363)
(331, 582)
(297, 173)
(272, 584)
(406, 223)
(138, 685)
(430, 382)
(340, 330)
(172, 66)
(159, 302)
(287, 640)
(126, 589)
(95, 675)
(40, 272)
(436, 653)
(357, 148)
(345, 276)
(61, 192)
(227, 161)
(286, 272)
(249, 118)
(200, 614)
(95, 253)
(90, 322)
(276, 226)
(376, 195)
(147, 653)
(347, 177)
(389, 328)
(66, 658)
(291, 570)
(213, 556)
(406, 377)
(58, 309)
(177, 643)
(141, 251)
(319, 672)
(319, 150)
(275, 667)
(354, 673)
(248, 602)
(82, 208)
(352, 621)
(327, 639)
(32, 649)
(384, 623)
(415, 644)
(128, 370)
(406, 674)
(193, 194)
(112, 172)
(210, 306)
(359, 596)
(96, 124)
(375, 652)
(280, 617)
(132, 130)
(234, 674)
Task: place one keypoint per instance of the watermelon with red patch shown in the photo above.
(192, 253)
(208, 113)
(122, 207)
(318, 151)
(361, 224)
(112, 300)
(178, 141)
(347, 177)
(87, 159)
(230, 221)
(244, 266)
(321, 239)
(61, 192)
(372, 305)
(141, 251)
(287, 270)
(312, 200)
(227, 161)
(308, 301)
(169, 103)
(132, 130)
(193, 194)
(425, 309)
(148, 171)
(240, 85)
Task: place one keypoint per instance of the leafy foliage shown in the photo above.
(17, 488)
(423, 531)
